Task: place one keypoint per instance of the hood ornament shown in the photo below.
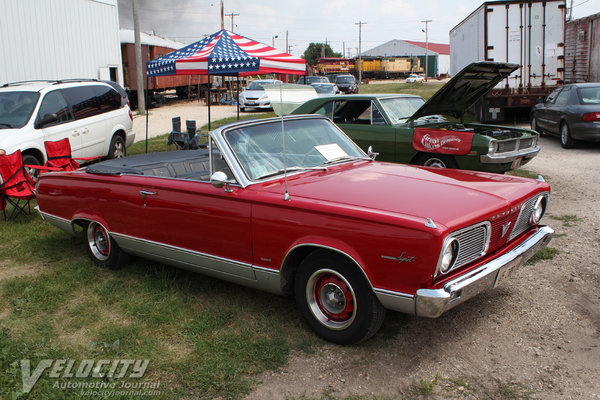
(430, 223)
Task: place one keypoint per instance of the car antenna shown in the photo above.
(286, 195)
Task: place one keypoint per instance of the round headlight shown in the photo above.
(538, 210)
(449, 255)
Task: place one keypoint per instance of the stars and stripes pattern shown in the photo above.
(226, 53)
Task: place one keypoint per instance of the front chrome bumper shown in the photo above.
(432, 303)
(503, 158)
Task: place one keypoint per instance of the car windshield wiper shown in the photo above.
(291, 169)
(6, 125)
(343, 158)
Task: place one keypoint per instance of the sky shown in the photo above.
(306, 21)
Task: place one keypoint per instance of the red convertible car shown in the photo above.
(293, 206)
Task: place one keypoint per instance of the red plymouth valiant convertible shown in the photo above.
(293, 206)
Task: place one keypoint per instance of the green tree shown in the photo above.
(314, 51)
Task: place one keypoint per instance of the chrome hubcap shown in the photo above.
(118, 150)
(564, 134)
(435, 162)
(331, 299)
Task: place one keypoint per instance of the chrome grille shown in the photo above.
(526, 143)
(507, 145)
(473, 242)
(523, 221)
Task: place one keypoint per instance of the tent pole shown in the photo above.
(237, 96)
(147, 107)
(208, 94)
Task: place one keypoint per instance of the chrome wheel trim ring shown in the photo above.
(564, 134)
(98, 241)
(321, 299)
(118, 150)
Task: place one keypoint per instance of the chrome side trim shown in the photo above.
(501, 158)
(396, 301)
(59, 222)
(432, 303)
(207, 264)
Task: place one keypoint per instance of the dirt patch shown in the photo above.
(12, 270)
(536, 336)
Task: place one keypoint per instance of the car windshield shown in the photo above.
(309, 143)
(315, 79)
(589, 95)
(323, 88)
(344, 79)
(399, 108)
(256, 85)
(16, 108)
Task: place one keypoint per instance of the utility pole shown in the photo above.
(427, 21)
(222, 15)
(360, 24)
(138, 59)
(232, 15)
(343, 49)
(287, 45)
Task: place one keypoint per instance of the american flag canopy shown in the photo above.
(226, 53)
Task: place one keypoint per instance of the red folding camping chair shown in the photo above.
(59, 156)
(17, 187)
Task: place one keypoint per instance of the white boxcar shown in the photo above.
(59, 39)
(529, 33)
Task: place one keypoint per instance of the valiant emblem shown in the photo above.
(505, 228)
(401, 258)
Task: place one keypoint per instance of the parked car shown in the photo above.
(415, 79)
(254, 95)
(326, 89)
(404, 128)
(309, 80)
(346, 83)
(571, 112)
(349, 237)
(90, 113)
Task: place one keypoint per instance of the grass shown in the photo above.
(419, 89)
(567, 220)
(204, 338)
(547, 253)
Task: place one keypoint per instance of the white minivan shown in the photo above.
(92, 114)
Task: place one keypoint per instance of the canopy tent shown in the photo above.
(225, 53)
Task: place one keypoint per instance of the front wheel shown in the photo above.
(103, 250)
(117, 148)
(335, 299)
(566, 140)
(29, 159)
(436, 161)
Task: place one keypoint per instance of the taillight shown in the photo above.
(130, 115)
(593, 116)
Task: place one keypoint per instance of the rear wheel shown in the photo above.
(436, 161)
(566, 140)
(117, 148)
(103, 250)
(335, 299)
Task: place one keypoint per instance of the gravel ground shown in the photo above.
(159, 119)
(535, 336)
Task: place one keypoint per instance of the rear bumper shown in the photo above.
(586, 131)
(130, 138)
(508, 157)
(432, 303)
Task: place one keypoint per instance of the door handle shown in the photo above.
(76, 133)
(85, 130)
(145, 193)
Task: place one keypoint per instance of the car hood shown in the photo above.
(465, 88)
(253, 93)
(449, 197)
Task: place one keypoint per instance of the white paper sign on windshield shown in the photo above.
(331, 151)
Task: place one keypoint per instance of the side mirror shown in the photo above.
(218, 179)
(371, 154)
(47, 119)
